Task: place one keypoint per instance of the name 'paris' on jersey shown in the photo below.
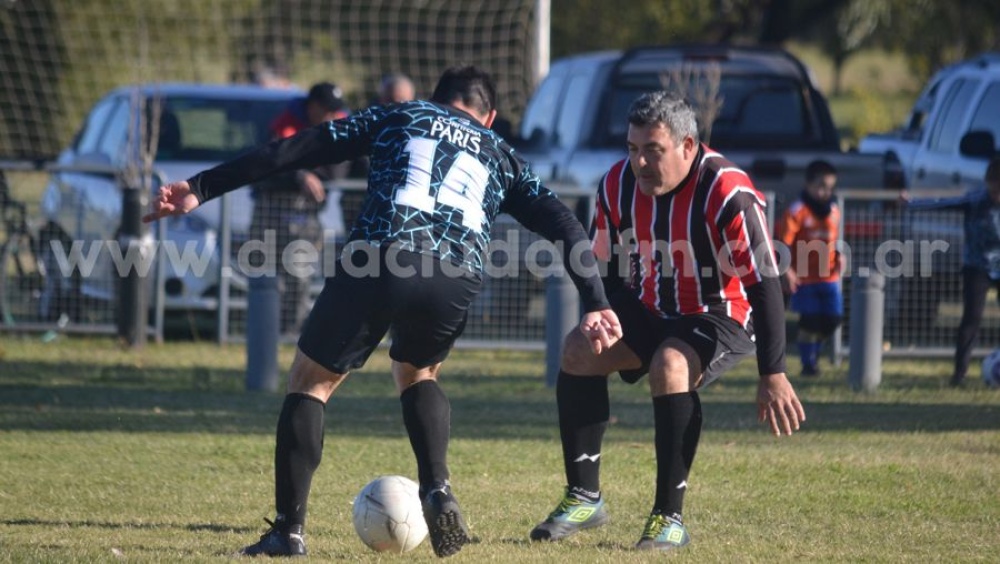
(437, 179)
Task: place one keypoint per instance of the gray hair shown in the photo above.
(392, 80)
(662, 107)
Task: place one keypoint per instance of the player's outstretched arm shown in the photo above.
(778, 404)
(175, 198)
(601, 328)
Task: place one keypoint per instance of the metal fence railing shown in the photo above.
(920, 255)
(63, 261)
(198, 275)
(508, 313)
(65, 264)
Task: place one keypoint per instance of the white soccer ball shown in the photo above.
(388, 516)
(991, 369)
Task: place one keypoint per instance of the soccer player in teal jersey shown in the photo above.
(438, 177)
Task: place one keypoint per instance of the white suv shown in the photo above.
(952, 130)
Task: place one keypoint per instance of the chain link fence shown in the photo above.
(920, 255)
(197, 277)
(508, 313)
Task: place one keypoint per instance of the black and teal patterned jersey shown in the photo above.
(437, 177)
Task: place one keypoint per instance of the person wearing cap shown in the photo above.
(288, 205)
(324, 102)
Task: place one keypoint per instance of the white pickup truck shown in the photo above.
(952, 130)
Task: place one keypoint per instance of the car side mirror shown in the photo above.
(978, 145)
(95, 163)
(537, 139)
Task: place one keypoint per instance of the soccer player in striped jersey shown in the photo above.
(809, 228)
(437, 180)
(693, 279)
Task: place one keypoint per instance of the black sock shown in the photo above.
(678, 429)
(297, 453)
(427, 416)
(584, 409)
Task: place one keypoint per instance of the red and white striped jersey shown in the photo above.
(693, 250)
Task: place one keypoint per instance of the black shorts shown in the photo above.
(719, 340)
(422, 302)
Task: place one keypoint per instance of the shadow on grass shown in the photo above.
(184, 400)
(194, 527)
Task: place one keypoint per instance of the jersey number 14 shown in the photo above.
(463, 186)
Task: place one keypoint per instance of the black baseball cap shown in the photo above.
(327, 95)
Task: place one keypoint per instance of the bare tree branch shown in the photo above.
(699, 85)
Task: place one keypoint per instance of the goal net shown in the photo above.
(57, 57)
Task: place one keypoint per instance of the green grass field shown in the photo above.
(160, 456)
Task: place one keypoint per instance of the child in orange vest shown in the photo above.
(809, 228)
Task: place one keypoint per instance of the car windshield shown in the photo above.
(213, 129)
(756, 111)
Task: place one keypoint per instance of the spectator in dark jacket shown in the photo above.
(289, 204)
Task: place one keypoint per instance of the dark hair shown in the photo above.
(819, 168)
(328, 95)
(667, 109)
(471, 86)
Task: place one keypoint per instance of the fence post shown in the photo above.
(225, 268)
(263, 333)
(562, 302)
(562, 312)
(132, 300)
(867, 316)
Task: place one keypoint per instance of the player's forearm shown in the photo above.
(554, 221)
(308, 149)
(768, 324)
(613, 279)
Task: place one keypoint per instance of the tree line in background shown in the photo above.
(931, 33)
(58, 56)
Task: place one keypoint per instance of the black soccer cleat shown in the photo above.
(445, 523)
(278, 541)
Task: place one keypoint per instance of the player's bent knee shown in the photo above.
(670, 361)
(577, 358)
(309, 377)
(675, 367)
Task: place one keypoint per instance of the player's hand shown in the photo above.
(313, 187)
(778, 405)
(175, 198)
(602, 329)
